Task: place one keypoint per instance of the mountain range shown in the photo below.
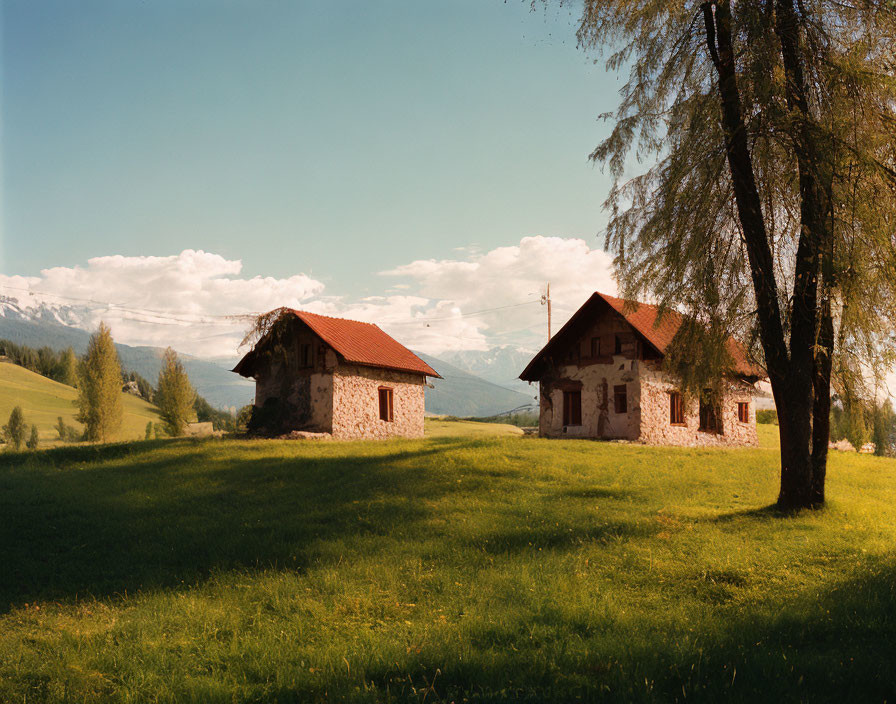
(473, 384)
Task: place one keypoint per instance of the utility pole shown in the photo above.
(546, 300)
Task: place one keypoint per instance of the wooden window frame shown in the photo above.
(617, 344)
(743, 411)
(676, 409)
(386, 397)
(572, 407)
(620, 391)
(595, 347)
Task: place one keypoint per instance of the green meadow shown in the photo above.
(466, 567)
(43, 401)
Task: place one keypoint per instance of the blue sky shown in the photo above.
(333, 139)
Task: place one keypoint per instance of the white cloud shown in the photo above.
(513, 280)
(193, 301)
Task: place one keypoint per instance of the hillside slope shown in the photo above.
(460, 393)
(219, 386)
(44, 400)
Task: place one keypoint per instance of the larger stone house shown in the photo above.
(342, 377)
(602, 376)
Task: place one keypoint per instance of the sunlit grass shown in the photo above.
(449, 569)
(43, 401)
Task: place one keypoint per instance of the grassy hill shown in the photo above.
(44, 400)
(454, 568)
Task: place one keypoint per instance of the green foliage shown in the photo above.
(174, 394)
(33, 439)
(14, 430)
(272, 419)
(768, 416)
(144, 388)
(243, 416)
(448, 569)
(527, 419)
(99, 397)
(884, 429)
(67, 433)
(148, 435)
(206, 413)
(67, 368)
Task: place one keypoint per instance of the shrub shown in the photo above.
(14, 430)
(34, 440)
(767, 416)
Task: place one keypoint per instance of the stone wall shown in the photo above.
(596, 382)
(648, 415)
(655, 414)
(308, 393)
(356, 411)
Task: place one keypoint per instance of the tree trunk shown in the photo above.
(792, 391)
(821, 409)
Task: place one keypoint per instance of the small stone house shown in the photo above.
(342, 377)
(601, 376)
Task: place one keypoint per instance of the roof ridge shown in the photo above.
(332, 317)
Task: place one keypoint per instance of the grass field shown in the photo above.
(44, 400)
(456, 568)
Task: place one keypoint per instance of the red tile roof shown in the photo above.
(645, 319)
(358, 343)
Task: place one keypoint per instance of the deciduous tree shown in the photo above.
(175, 395)
(99, 388)
(769, 205)
(14, 430)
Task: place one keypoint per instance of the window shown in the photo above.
(305, 355)
(617, 345)
(572, 408)
(743, 412)
(676, 410)
(385, 403)
(620, 399)
(709, 417)
(595, 347)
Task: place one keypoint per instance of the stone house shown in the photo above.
(342, 377)
(601, 376)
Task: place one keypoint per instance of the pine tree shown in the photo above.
(34, 440)
(99, 398)
(14, 430)
(68, 368)
(175, 395)
(148, 435)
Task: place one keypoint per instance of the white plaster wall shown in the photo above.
(356, 403)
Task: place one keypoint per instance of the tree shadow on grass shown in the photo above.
(137, 521)
(835, 646)
(763, 513)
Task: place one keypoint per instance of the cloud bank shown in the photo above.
(197, 302)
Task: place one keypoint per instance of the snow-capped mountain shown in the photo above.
(21, 308)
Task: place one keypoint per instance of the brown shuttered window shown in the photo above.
(595, 347)
(676, 410)
(385, 403)
(572, 408)
(743, 412)
(620, 399)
